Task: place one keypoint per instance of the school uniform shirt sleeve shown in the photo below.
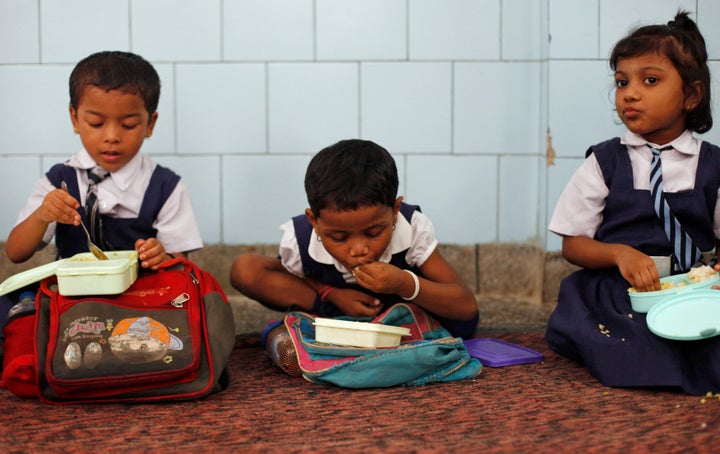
(423, 242)
(289, 250)
(177, 228)
(42, 188)
(578, 211)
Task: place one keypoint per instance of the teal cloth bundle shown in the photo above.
(429, 354)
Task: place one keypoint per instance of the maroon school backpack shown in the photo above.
(167, 337)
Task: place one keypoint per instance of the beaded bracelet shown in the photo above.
(417, 286)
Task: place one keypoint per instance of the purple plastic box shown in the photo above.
(497, 353)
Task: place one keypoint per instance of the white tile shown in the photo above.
(574, 29)
(406, 107)
(18, 175)
(708, 12)
(220, 108)
(524, 30)
(518, 199)
(259, 194)
(497, 108)
(19, 41)
(250, 29)
(558, 176)
(311, 105)
(458, 193)
(361, 29)
(581, 106)
(73, 29)
(163, 138)
(166, 30)
(619, 17)
(201, 175)
(454, 29)
(35, 98)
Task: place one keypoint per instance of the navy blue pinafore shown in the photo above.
(594, 323)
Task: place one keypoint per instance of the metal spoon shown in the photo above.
(96, 251)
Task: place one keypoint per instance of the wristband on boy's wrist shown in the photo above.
(325, 292)
(417, 286)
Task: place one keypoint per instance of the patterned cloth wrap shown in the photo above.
(429, 354)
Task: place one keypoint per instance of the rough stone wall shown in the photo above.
(518, 271)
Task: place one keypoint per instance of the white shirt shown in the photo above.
(120, 195)
(579, 209)
(418, 236)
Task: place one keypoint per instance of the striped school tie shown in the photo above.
(91, 205)
(686, 253)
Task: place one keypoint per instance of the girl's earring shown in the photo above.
(393, 227)
(319, 240)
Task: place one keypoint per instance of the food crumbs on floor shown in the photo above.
(630, 315)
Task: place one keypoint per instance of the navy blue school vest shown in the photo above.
(328, 274)
(629, 217)
(118, 234)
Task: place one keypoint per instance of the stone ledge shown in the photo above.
(516, 285)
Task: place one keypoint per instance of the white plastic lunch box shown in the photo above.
(358, 334)
(82, 274)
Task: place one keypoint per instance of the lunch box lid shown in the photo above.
(687, 316)
(28, 277)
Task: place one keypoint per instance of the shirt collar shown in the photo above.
(401, 240)
(684, 143)
(122, 177)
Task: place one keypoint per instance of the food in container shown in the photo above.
(702, 277)
(83, 274)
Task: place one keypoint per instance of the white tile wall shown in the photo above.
(34, 117)
(73, 29)
(163, 138)
(460, 91)
(311, 105)
(524, 37)
(406, 107)
(574, 29)
(276, 185)
(221, 108)
(454, 29)
(18, 174)
(246, 24)
(169, 30)
(517, 202)
(361, 30)
(708, 13)
(19, 37)
(497, 108)
(458, 193)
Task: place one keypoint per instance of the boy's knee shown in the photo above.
(244, 270)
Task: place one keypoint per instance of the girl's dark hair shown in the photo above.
(349, 175)
(683, 44)
(115, 70)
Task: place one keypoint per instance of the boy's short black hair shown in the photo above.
(116, 70)
(349, 175)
